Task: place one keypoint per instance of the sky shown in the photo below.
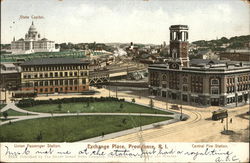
(138, 21)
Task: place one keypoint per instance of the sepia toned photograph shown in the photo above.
(117, 75)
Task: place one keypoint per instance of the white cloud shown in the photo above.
(86, 22)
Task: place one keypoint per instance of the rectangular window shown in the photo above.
(83, 81)
(214, 91)
(51, 89)
(51, 74)
(61, 82)
(65, 73)
(61, 74)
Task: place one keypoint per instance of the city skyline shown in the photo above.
(123, 21)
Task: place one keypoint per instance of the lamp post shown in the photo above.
(166, 100)
(249, 99)
(116, 89)
(181, 113)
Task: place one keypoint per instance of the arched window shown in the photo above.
(215, 82)
(184, 80)
(164, 77)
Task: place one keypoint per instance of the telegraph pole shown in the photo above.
(166, 100)
(227, 124)
(116, 89)
(181, 108)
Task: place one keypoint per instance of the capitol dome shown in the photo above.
(32, 28)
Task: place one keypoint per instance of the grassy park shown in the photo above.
(70, 128)
(95, 107)
(2, 105)
(11, 112)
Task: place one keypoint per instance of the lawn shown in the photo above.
(2, 120)
(13, 113)
(70, 129)
(2, 105)
(95, 107)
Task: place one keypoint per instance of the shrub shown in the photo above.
(5, 114)
(32, 102)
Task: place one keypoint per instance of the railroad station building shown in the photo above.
(198, 82)
(55, 75)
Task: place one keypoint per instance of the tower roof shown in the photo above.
(178, 27)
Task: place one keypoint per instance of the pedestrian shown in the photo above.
(231, 120)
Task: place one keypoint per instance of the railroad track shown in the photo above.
(162, 132)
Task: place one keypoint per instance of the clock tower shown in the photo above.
(179, 46)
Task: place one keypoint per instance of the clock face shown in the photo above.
(174, 66)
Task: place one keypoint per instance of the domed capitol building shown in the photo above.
(32, 43)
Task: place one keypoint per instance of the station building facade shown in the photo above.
(198, 82)
(55, 75)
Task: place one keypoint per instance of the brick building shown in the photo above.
(9, 76)
(55, 75)
(198, 82)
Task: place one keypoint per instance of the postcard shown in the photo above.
(124, 81)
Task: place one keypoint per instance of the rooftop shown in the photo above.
(178, 27)
(53, 61)
(211, 65)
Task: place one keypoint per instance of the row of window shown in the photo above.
(231, 80)
(54, 68)
(243, 78)
(46, 90)
(54, 74)
(55, 83)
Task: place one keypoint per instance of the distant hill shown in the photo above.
(237, 42)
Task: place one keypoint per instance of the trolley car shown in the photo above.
(219, 114)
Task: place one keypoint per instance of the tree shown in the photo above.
(60, 107)
(124, 120)
(151, 103)
(121, 105)
(5, 114)
(133, 100)
(39, 136)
